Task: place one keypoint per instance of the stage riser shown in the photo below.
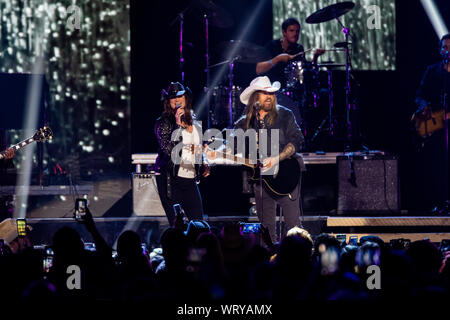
(150, 229)
(387, 237)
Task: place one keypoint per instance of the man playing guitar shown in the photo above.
(262, 112)
(432, 101)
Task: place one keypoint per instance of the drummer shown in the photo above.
(283, 51)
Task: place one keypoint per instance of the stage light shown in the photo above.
(435, 17)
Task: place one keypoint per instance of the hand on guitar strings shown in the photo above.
(211, 154)
(269, 162)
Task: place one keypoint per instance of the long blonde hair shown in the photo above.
(249, 110)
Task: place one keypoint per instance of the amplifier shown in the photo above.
(146, 201)
(368, 184)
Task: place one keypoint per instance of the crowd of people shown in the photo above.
(199, 264)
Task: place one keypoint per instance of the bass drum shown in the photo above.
(302, 82)
(221, 100)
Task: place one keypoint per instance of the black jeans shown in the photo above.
(435, 170)
(183, 191)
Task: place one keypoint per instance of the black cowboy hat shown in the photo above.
(174, 90)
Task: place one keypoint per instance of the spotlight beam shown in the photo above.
(33, 100)
(435, 17)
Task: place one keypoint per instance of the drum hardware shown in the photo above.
(342, 44)
(334, 12)
(247, 51)
(217, 16)
(230, 94)
(212, 15)
(334, 50)
(331, 65)
(180, 18)
(329, 117)
(231, 115)
(220, 102)
(242, 52)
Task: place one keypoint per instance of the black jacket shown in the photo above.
(289, 131)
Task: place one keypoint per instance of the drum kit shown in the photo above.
(304, 89)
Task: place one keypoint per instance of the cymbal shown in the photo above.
(217, 16)
(330, 12)
(245, 52)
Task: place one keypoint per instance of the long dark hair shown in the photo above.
(188, 115)
(249, 110)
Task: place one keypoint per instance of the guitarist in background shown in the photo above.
(435, 85)
(262, 112)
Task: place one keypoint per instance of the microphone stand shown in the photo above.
(180, 18)
(259, 163)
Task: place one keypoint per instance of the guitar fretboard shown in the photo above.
(17, 146)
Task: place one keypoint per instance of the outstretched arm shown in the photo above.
(265, 66)
(101, 245)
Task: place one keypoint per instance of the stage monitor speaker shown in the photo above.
(368, 184)
(146, 200)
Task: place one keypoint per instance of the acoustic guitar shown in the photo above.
(425, 127)
(284, 180)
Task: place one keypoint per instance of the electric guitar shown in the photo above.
(281, 183)
(425, 127)
(40, 135)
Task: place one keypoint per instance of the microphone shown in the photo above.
(177, 106)
(256, 108)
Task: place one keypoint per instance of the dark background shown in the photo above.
(386, 97)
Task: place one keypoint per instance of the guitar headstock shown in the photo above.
(43, 134)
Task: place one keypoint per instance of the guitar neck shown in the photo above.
(235, 159)
(18, 146)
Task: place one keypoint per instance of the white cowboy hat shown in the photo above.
(259, 84)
